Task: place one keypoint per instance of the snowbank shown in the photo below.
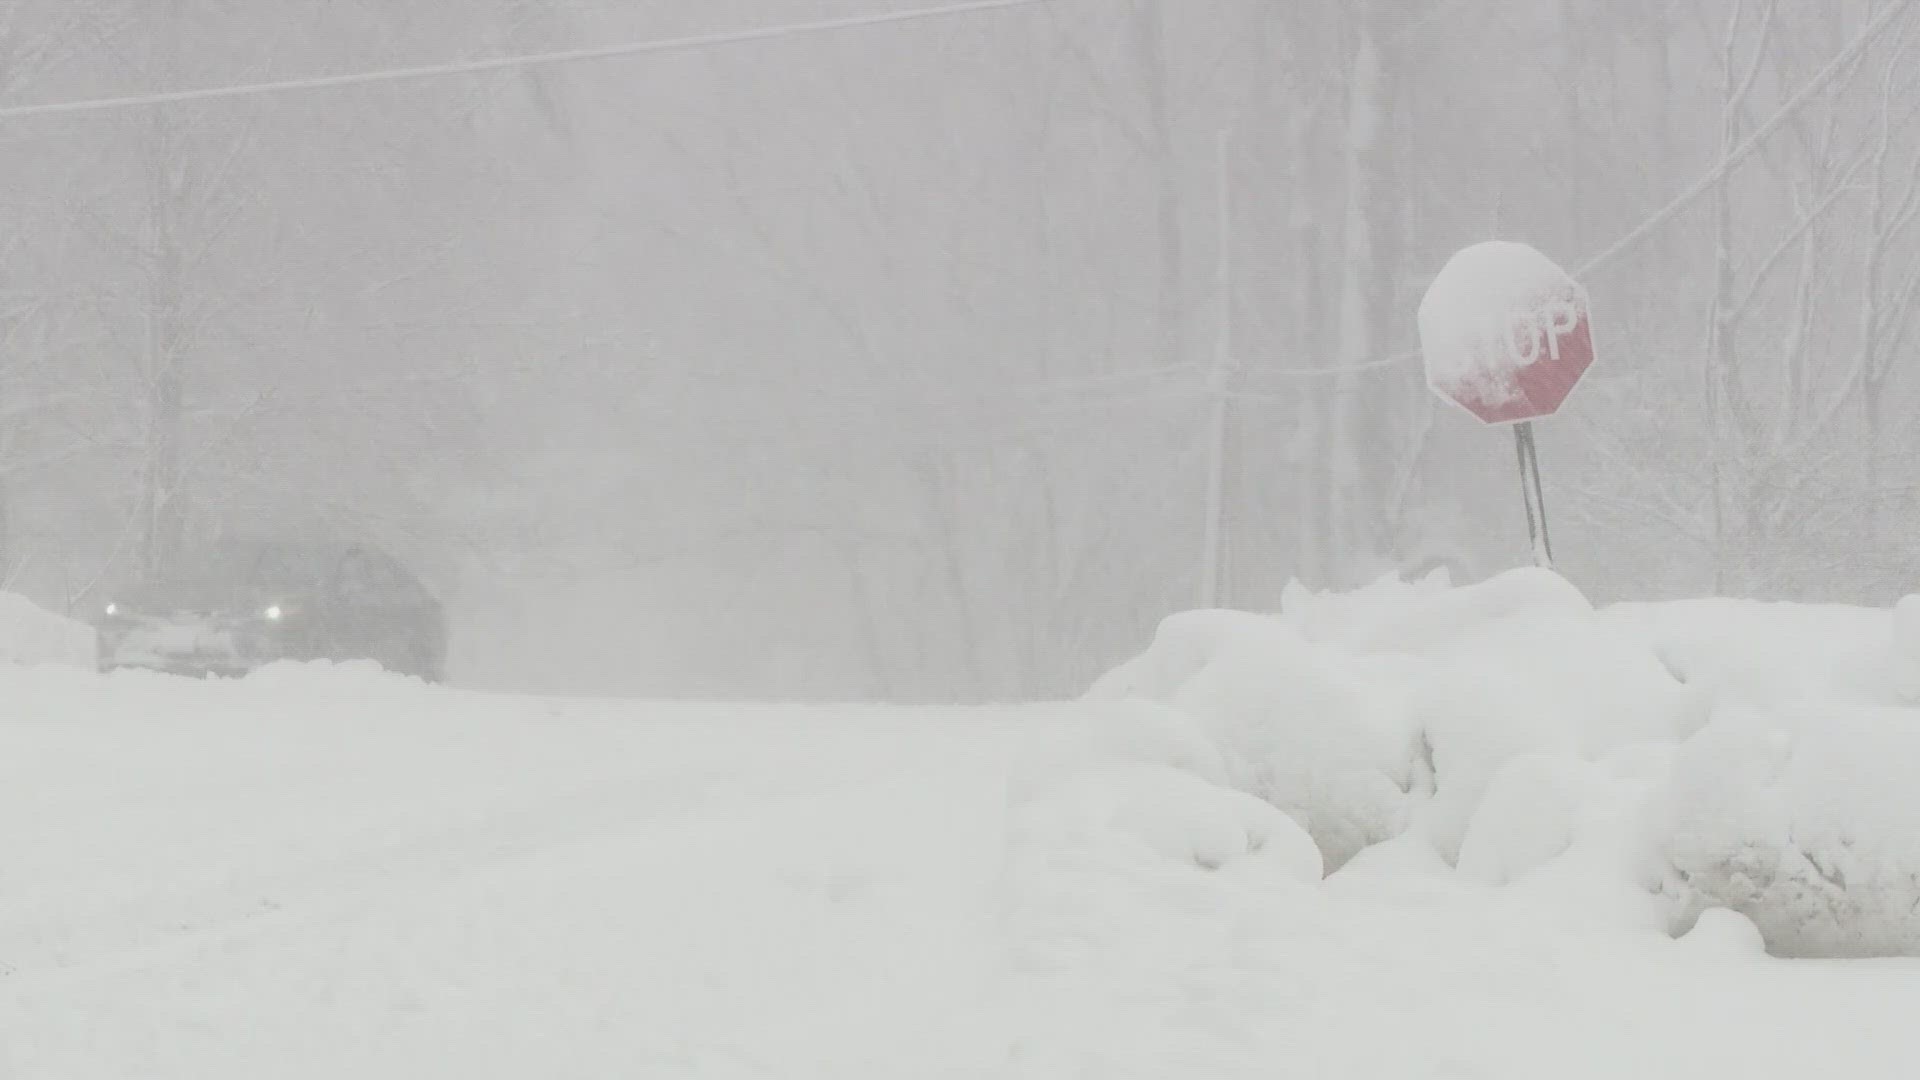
(1604, 766)
(1803, 818)
(1146, 787)
(1901, 672)
(1336, 616)
(1121, 816)
(1410, 700)
(1294, 723)
(1762, 649)
(375, 878)
(31, 635)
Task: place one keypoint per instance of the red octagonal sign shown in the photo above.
(1505, 333)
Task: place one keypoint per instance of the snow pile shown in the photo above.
(1596, 766)
(1526, 818)
(1145, 787)
(1763, 649)
(1575, 842)
(1494, 309)
(30, 635)
(1191, 938)
(1724, 933)
(1804, 819)
(1406, 708)
(1293, 723)
(1902, 663)
(1517, 665)
(1335, 616)
(1142, 815)
(365, 876)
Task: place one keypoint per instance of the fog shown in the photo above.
(939, 359)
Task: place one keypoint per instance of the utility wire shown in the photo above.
(1726, 164)
(1752, 142)
(504, 63)
(701, 41)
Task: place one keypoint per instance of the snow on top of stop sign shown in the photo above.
(1495, 308)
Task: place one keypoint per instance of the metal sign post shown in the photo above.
(1506, 336)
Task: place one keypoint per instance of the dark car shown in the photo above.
(252, 602)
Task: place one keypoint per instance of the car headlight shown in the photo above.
(274, 613)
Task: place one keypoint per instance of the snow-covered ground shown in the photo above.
(327, 872)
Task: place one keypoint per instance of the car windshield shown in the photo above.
(230, 578)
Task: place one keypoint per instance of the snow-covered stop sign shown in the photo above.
(1504, 332)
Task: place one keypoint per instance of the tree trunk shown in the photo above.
(867, 620)
(1360, 280)
(1720, 336)
(1870, 403)
(161, 502)
(1573, 120)
(1312, 338)
(165, 501)
(9, 546)
(1150, 40)
(1666, 146)
(943, 518)
(1719, 354)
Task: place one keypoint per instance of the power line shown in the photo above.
(1752, 142)
(1321, 373)
(1726, 164)
(1730, 161)
(1123, 385)
(504, 63)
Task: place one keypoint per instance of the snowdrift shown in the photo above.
(1295, 724)
(1804, 819)
(31, 635)
(1635, 766)
(374, 877)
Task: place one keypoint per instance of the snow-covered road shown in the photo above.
(336, 874)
